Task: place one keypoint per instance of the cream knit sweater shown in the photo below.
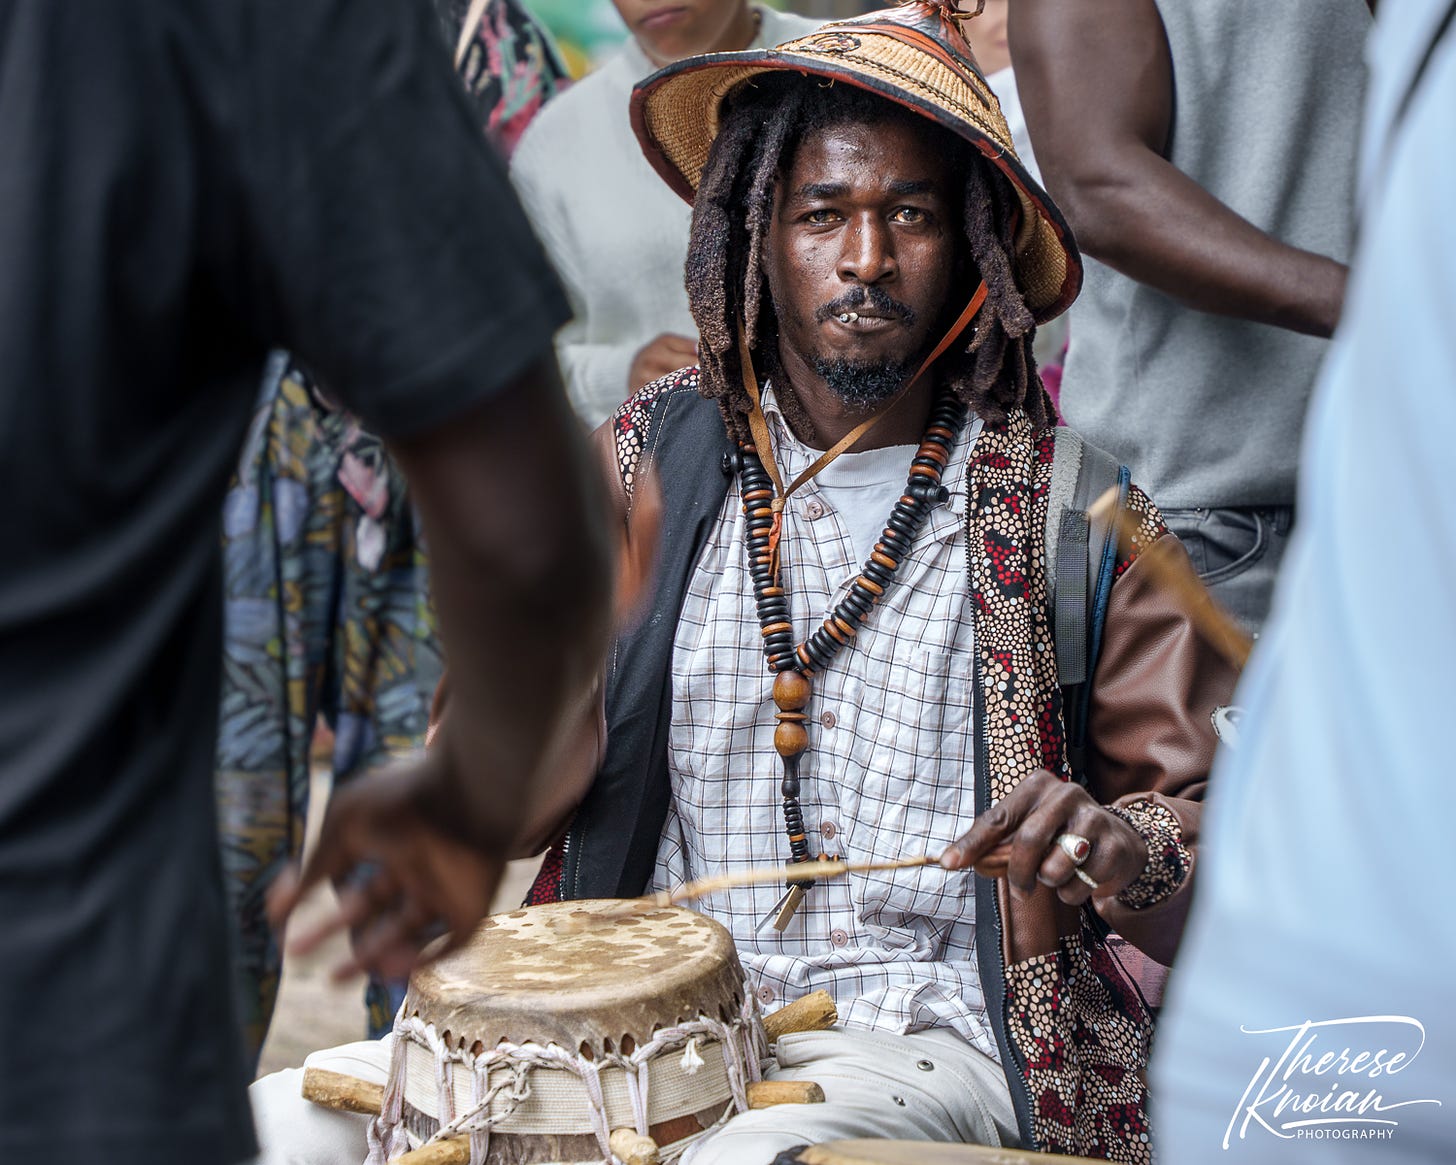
(616, 233)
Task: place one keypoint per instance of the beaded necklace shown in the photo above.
(764, 497)
(792, 666)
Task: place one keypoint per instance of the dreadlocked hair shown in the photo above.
(762, 124)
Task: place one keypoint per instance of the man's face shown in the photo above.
(669, 30)
(866, 221)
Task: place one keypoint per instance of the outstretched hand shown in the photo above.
(406, 875)
(1018, 838)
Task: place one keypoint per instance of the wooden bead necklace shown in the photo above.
(794, 666)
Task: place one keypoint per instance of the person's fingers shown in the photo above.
(389, 930)
(319, 933)
(992, 863)
(450, 904)
(1066, 877)
(376, 884)
(332, 857)
(1033, 839)
(1117, 856)
(451, 881)
(467, 892)
(992, 827)
(1057, 869)
(345, 970)
(351, 826)
(283, 896)
(1074, 891)
(365, 884)
(453, 939)
(403, 875)
(996, 824)
(370, 891)
(389, 947)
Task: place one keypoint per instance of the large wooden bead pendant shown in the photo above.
(793, 666)
(791, 692)
(790, 739)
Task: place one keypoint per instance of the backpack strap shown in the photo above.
(1081, 559)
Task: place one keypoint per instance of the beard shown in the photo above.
(862, 384)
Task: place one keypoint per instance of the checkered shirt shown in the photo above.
(888, 772)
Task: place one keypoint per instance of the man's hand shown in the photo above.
(667, 353)
(1017, 838)
(406, 875)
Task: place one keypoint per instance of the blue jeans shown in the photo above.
(1237, 553)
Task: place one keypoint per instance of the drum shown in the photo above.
(922, 1153)
(557, 1025)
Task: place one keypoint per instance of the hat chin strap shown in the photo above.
(758, 426)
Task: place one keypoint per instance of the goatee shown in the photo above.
(863, 384)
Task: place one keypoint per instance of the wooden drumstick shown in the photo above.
(992, 865)
(767, 1093)
(455, 1151)
(809, 1013)
(350, 1094)
(342, 1093)
(1171, 573)
(762, 875)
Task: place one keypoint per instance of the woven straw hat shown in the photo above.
(914, 55)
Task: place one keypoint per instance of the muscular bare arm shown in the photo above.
(1097, 89)
(576, 751)
(516, 523)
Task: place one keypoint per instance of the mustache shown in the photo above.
(876, 298)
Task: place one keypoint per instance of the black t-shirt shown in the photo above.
(184, 184)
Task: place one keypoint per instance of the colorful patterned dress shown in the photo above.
(510, 68)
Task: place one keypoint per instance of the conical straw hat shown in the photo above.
(914, 55)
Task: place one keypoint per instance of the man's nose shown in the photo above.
(868, 253)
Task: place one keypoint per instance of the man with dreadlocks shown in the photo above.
(867, 265)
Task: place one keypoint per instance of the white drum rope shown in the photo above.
(741, 1040)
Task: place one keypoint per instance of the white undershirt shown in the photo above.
(862, 488)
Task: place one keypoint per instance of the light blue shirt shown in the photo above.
(1328, 864)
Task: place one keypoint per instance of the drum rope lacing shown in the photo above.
(741, 1040)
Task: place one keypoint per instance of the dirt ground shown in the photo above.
(314, 1012)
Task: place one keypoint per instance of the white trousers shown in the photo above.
(931, 1086)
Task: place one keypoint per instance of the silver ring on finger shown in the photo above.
(1075, 846)
(1086, 877)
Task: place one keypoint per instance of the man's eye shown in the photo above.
(820, 216)
(909, 214)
